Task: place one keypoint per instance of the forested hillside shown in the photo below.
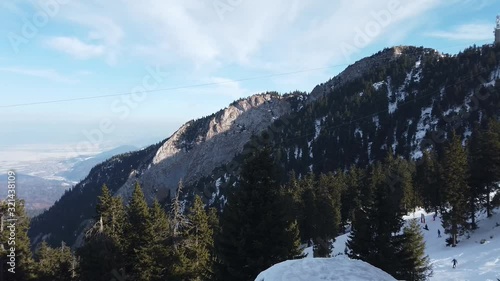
(407, 103)
(408, 127)
(77, 205)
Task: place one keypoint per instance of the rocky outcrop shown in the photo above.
(200, 146)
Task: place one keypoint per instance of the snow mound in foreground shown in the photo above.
(316, 269)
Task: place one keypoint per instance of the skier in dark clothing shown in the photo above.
(426, 227)
(310, 243)
(439, 233)
(454, 261)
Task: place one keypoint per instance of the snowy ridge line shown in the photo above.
(375, 114)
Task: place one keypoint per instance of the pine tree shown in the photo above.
(256, 232)
(214, 222)
(414, 264)
(477, 180)
(213, 219)
(24, 264)
(328, 192)
(456, 189)
(293, 192)
(99, 257)
(399, 178)
(139, 230)
(389, 198)
(159, 247)
(373, 238)
(351, 197)
(427, 181)
(54, 264)
(197, 245)
(103, 201)
(104, 246)
(362, 236)
(178, 220)
(309, 215)
(490, 147)
(112, 212)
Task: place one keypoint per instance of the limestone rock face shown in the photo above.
(202, 145)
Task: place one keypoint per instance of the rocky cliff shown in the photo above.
(200, 146)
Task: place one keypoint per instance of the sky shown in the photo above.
(156, 64)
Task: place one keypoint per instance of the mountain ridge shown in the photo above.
(354, 122)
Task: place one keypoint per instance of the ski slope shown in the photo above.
(476, 261)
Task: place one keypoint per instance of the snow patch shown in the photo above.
(418, 63)
(423, 126)
(392, 105)
(376, 120)
(467, 135)
(358, 131)
(378, 85)
(317, 127)
(495, 74)
(325, 269)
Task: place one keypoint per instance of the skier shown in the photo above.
(422, 218)
(454, 261)
(426, 227)
(310, 243)
(434, 217)
(439, 233)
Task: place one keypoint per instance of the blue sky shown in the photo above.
(64, 49)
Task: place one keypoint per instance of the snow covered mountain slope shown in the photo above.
(338, 268)
(476, 260)
(404, 99)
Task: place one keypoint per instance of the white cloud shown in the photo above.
(75, 47)
(260, 30)
(465, 32)
(228, 87)
(260, 35)
(48, 74)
